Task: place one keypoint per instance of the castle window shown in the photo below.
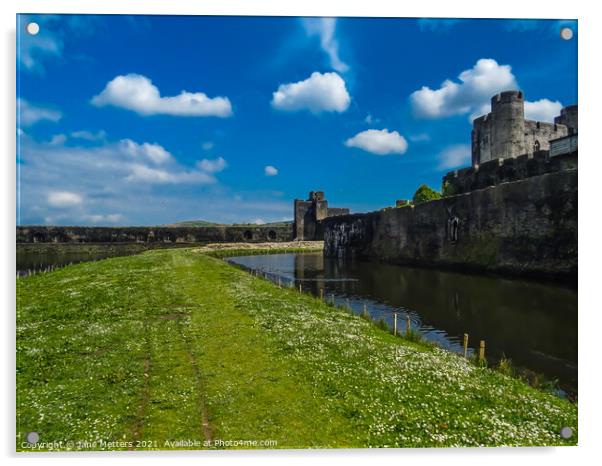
(536, 145)
(248, 235)
(453, 224)
(272, 235)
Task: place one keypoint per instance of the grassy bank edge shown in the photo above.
(224, 253)
(505, 367)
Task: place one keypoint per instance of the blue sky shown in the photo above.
(142, 120)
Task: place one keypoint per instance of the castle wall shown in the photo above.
(499, 171)
(542, 133)
(569, 118)
(523, 227)
(217, 234)
(333, 211)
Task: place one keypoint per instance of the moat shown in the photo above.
(533, 324)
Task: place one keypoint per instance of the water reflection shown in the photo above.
(533, 324)
(40, 258)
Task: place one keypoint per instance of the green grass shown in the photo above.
(174, 345)
(222, 253)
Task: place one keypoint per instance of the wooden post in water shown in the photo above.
(321, 294)
(465, 345)
(482, 351)
(332, 298)
(347, 305)
(279, 283)
(300, 290)
(365, 311)
(395, 323)
(408, 324)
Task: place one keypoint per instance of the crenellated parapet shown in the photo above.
(495, 172)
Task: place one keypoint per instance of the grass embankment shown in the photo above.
(172, 345)
(238, 249)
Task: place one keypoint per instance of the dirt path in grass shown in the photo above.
(145, 393)
(205, 426)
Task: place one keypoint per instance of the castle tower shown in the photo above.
(310, 213)
(568, 117)
(508, 124)
(504, 133)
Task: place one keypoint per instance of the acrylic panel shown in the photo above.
(289, 233)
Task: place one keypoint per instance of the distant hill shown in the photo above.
(205, 223)
(193, 223)
(270, 224)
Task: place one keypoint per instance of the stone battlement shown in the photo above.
(499, 171)
(506, 97)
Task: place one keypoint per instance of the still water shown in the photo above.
(533, 324)
(39, 258)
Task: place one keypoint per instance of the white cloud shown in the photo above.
(370, 120)
(29, 114)
(258, 221)
(325, 28)
(420, 137)
(99, 218)
(212, 166)
(114, 189)
(148, 174)
(151, 152)
(270, 170)
(318, 93)
(455, 156)
(380, 142)
(110, 164)
(63, 199)
(542, 110)
(137, 93)
(208, 145)
(472, 93)
(89, 135)
(58, 139)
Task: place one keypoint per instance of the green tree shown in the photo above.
(425, 194)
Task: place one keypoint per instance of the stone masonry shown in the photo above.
(504, 133)
(310, 213)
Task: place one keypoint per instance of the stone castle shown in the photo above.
(310, 213)
(504, 133)
(514, 210)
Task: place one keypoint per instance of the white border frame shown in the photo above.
(589, 230)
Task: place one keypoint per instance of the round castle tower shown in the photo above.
(508, 124)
